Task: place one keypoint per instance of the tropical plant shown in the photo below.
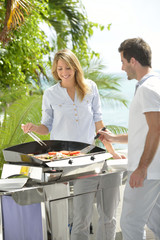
(22, 52)
(14, 16)
(27, 109)
(108, 84)
(26, 47)
(22, 49)
(69, 19)
(11, 94)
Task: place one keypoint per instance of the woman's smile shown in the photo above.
(65, 72)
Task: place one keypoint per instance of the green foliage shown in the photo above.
(108, 84)
(68, 19)
(11, 94)
(25, 62)
(113, 97)
(21, 57)
(2, 12)
(27, 109)
(117, 129)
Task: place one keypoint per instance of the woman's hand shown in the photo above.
(39, 129)
(29, 127)
(118, 156)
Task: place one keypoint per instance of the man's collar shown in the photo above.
(144, 78)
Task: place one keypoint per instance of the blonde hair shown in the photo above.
(72, 61)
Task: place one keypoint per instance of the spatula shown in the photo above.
(90, 147)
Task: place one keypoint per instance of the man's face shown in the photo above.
(128, 67)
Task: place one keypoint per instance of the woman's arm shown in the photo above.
(39, 129)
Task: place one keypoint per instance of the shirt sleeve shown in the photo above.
(150, 100)
(96, 104)
(47, 112)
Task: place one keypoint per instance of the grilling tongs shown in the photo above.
(37, 139)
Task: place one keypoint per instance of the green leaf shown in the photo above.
(20, 112)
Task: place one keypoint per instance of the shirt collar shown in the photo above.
(144, 78)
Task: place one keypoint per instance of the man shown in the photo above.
(141, 204)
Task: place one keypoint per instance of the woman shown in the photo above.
(71, 110)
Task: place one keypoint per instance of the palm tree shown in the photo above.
(14, 16)
(69, 20)
(109, 82)
(66, 18)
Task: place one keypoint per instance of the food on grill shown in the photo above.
(58, 155)
(52, 153)
(75, 153)
(67, 153)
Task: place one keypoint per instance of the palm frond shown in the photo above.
(108, 85)
(113, 97)
(96, 71)
(117, 129)
(16, 12)
(95, 65)
(68, 18)
(21, 111)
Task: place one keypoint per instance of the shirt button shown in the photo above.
(60, 105)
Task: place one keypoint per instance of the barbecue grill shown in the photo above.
(23, 159)
(45, 183)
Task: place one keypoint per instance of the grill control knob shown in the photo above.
(92, 158)
(70, 161)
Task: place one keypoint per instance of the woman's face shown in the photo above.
(65, 73)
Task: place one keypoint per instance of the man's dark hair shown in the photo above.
(138, 49)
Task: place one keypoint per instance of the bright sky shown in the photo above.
(129, 18)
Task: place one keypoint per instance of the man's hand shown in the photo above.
(106, 135)
(137, 177)
(112, 138)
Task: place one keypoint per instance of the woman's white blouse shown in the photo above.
(71, 120)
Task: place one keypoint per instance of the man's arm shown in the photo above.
(150, 148)
(99, 125)
(111, 137)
